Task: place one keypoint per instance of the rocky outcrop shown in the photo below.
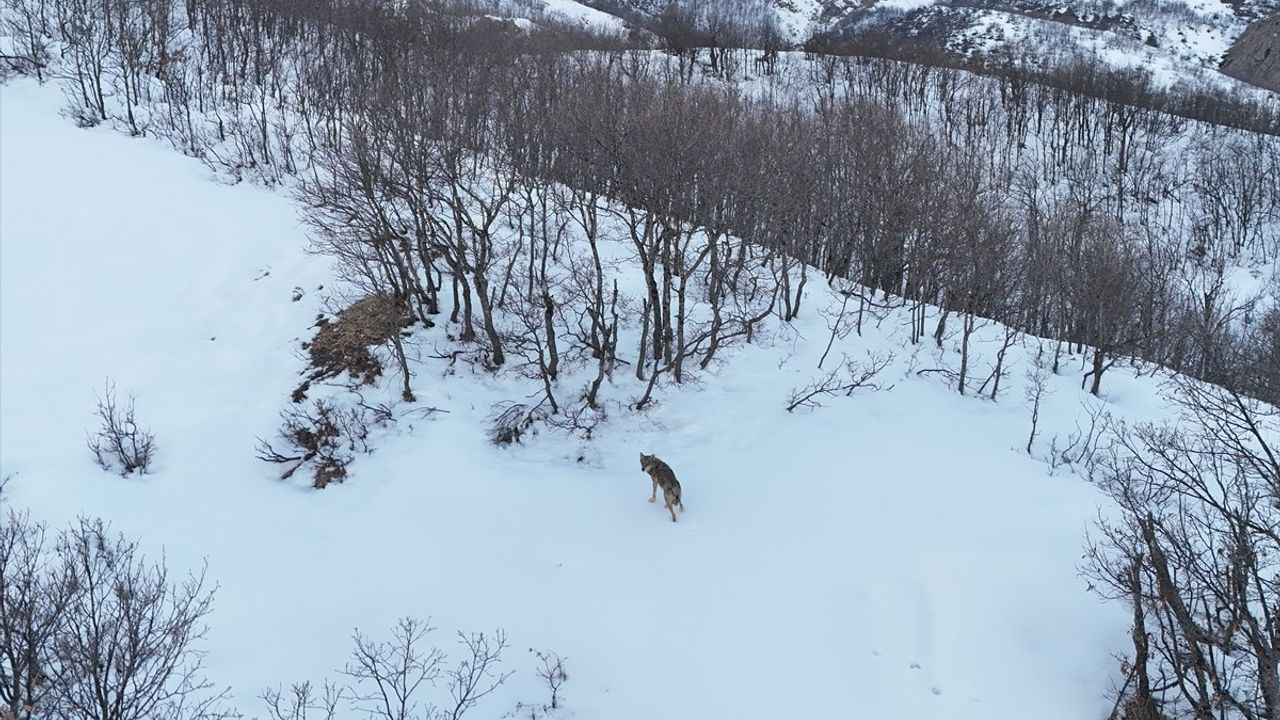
(1255, 56)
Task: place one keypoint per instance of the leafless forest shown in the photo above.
(467, 169)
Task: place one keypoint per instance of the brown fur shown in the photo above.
(663, 476)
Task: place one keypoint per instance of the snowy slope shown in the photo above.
(1177, 39)
(797, 19)
(1189, 54)
(588, 16)
(892, 555)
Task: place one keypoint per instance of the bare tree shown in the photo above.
(86, 31)
(34, 592)
(551, 670)
(1036, 391)
(386, 676)
(1194, 553)
(90, 629)
(28, 22)
(1106, 292)
(128, 646)
(302, 702)
(477, 674)
(393, 679)
(849, 376)
(1235, 180)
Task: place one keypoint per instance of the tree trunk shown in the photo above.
(486, 317)
(965, 334)
(1099, 364)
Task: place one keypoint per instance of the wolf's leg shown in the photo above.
(671, 509)
(654, 496)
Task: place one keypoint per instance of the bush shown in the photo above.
(325, 437)
(119, 444)
(514, 422)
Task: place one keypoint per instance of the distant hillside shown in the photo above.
(1184, 40)
(1255, 55)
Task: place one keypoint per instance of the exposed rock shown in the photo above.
(1255, 56)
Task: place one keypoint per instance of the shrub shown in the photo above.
(119, 444)
(325, 437)
(514, 422)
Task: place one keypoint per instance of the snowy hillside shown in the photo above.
(586, 15)
(894, 554)
(1177, 40)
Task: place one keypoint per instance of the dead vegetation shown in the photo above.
(325, 437)
(345, 344)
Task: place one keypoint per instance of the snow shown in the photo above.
(1187, 52)
(992, 29)
(904, 5)
(1205, 43)
(522, 23)
(797, 19)
(1205, 8)
(592, 18)
(891, 555)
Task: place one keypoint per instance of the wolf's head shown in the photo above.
(646, 461)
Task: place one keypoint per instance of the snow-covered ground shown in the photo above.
(1188, 38)
(1189, 44)
(588, 16)
(797, 18)
(892, 555)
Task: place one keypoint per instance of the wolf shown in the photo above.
(664, 476)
